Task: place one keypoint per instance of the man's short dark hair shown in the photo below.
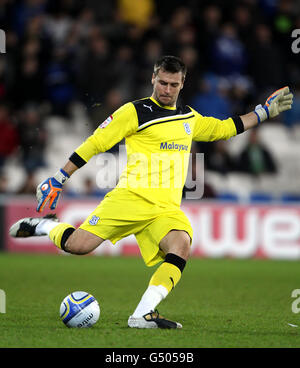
(170, 64)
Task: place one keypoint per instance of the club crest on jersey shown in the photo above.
(187, 128)
(94, 220)
(106, 122)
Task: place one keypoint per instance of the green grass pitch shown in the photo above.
(220, 302)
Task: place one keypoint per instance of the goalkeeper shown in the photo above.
(146, 202)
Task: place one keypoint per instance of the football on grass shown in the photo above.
(79, 309)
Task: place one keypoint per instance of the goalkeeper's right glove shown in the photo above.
(279, 101)
(50, 190)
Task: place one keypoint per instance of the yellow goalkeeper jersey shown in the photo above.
(158, 142)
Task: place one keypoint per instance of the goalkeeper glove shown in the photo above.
(50, 190)
(280, 100)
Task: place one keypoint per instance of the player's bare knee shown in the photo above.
(185, 238)
(185, 246)
(74, 246)
(177, 242)
(182, 244)
(81, 242)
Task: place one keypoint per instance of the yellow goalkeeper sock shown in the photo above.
(60, 233)
(161, 283)
(169, 272)
(166, 275)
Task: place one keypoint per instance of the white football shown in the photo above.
(79, 309)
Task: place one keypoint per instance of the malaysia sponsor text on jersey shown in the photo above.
(173, 146)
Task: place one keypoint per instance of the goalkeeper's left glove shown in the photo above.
(279, 101)
(50, 190)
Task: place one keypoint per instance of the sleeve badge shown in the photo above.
(106, 122)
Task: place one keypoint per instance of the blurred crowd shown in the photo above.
(101, 53)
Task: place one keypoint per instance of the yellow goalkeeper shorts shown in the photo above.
(122, 213)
